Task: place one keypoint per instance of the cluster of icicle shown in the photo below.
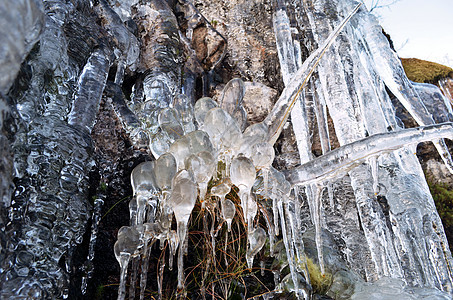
(210, 145)
(220, 151)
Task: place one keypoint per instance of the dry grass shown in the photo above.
(425, 71)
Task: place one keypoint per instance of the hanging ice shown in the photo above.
(182, 200)
(125, 247)
(243, 176)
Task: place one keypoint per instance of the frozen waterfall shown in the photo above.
(137, 121)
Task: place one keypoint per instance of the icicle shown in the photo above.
(276, 278)
(160, 277)
(265, 173)
(90, 86)
(297, 246)
(211, 232)
(270, 230)
(182, 199)
(183, 232)
(173, 241)
(133, 277)
(314, 197)
(289, 66)
(288, 247)
(320, 109)
(125, 246)
(120, 72)
(225, 249)
(145, 264)
(373, 163)
(243, 175)
(279, 114)
(88, 265)
(343, 159)
(124, 262)
(443, 86)
(275, 212)
(256, 240)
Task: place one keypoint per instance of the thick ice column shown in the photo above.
(345, 111)
(20, 26)
(52, 160)
(289, 65)
(90, 87)
(386, 263)
(389, 68)
(340, 161)
(160, 59)
(409, 172)
(436, 103)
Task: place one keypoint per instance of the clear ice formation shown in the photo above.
(378, 207)
(349, 156)
(52, 152)
(247, 154)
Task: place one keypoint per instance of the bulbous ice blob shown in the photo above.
(232, 95)
(242, 172)
(182, 174)
(202, 166)
(192, 143)
(199, 141)
(222, 129)
(240, 115)
(280, 186)
(143, 178)
(169, 122)
(182, 200)
(140, 138)
(222, 189)
(231, 101)
(180, 150)
(256, 240)
(159, 143)
(263, 155)
(243, 175)
(202, 106)
(228, 211)
(128, 241)
(185, 109)
(183, 196)
(165, 169)
(126, 245)
(254, 134)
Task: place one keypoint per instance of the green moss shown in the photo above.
(99, 292)
(425, 71)
(103, 186)
(443, 198)
(320, 282)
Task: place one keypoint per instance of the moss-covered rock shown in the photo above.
(425, 71)
(443, 198)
